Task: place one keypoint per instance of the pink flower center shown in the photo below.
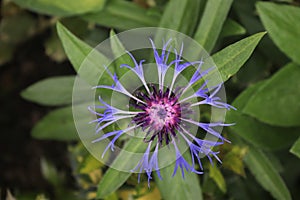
(163, 113)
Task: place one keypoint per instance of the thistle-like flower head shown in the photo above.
(163, 112)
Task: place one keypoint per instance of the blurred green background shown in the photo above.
(40, 154)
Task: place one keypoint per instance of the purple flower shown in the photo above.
(163, 114)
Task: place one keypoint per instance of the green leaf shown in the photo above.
(262, 135)
(211, 23)
(184, 21)
(113, 179)
(178, 187)
(275, 160)
(75, 49)
(88, 62)
(282, 23)
(230, 59)
(217, 176)
(123, 15)
(277, 102)
(52, 91)
(180, 15)
(118, 48)
(296, 148)
(265, 173)
(121, 56)
(61, 7)
(231, 28)
(255, 132)
(57, 125)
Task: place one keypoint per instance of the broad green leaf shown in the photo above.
(119, 49)
(113, 179)
(75, 49)
(177, 187)
(57, 125)
(282, 23)
(88, 62)
(230, 59)
(264, 169)
(262, 135)
(277, 102)
(52, 91)
(184, 21)
(180, 15)
(123, 15)
(241, 101)
(216, 175)
(60, 123)
(265, 173)
(255, 132)
(61, 7)
(296, 148)
(120, 54)
(275, 160)
(211, 23)
(231, 28)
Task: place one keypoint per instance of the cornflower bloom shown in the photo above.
(163, 113)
